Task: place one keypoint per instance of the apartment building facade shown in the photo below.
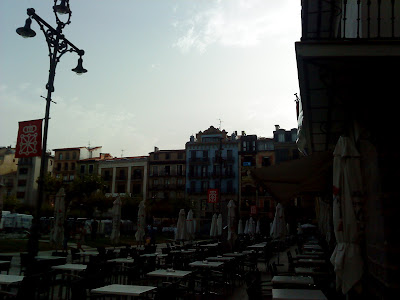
(124, 175)
(211, 166)
(27, 178)
(66, 161)
(167, 177)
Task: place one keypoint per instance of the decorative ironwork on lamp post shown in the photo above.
(58, 45)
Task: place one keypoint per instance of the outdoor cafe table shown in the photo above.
(307, 256)
(312, 247)
(220, 258)
(88, 253)
(311, 261)
(205, 264)
(209, 245)
(122, 260)
(309, 272)
(123, 290)
(70, 267)
(6, 279)
(258, 246)
(297, 294)
(292, 280)
(234, 254)
(169, 273)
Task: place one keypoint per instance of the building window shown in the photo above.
(229, 153)
(121, 188)
(72, 166)
(192, 153)
(155, 170)
(180, 155)
(266, 161)
(204, 186)
(58, 166)
(67, 155)
(83, 169)
(107, 175)
(65, 178)
(60, 156)
(167, 156)
(179, 169)
(156, 157)
(205, 154)
(167, 170)
(244, 146)
(91, 168)
(22, 182)
(71, 177)
(73, 155)
(137, 174)
(23, 171)
(66, 167)
(281, 137)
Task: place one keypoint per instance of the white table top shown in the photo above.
(220, 258)
(148, 255)
(301, 256)
(126, 290)
(312, 261)
(292, 280)
(169, 273)
(70, 267)
(257, 246)
(316, 247)
(234, 254)
(209, 264)
(4, 262)
(122, 260)
(49, 257)
(10, 279)
(209, 245)
(308, 271)
(87, 253)
(297, 294)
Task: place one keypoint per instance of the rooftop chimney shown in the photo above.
(277, 127)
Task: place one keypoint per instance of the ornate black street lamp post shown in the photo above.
(58, 45)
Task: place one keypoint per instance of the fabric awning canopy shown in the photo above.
(288, 179)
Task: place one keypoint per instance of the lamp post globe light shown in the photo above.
(58, 45)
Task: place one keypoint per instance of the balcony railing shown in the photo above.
(363, 19)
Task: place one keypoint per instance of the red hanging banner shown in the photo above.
(29, 141)
(212, 196)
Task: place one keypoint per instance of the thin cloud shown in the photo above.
(236, 23)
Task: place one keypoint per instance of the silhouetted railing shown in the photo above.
(350, 19)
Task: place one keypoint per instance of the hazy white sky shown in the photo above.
(158, 71)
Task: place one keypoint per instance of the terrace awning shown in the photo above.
(309, 174)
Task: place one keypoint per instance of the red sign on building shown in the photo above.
(29, 141)
(212, 195)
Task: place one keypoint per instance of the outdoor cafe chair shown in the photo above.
(25, 290)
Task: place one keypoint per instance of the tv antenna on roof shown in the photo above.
(220, 122)
(122, 152)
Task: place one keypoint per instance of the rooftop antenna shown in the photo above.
(122, 152)
(220, 122)
(89, 145)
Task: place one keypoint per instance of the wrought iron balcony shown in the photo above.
(344, 20)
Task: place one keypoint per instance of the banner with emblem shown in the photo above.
(29, 141)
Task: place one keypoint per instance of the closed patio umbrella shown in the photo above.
(251, 229)
(279, 229)
(231, 218)
(213, 228)
(181, 226)
(246, 227)
(240, 227)
(190, 225)
(347, 186)
(116, 221)
(141, 222)
(219, 225)
(258, 227)
(57, 232)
